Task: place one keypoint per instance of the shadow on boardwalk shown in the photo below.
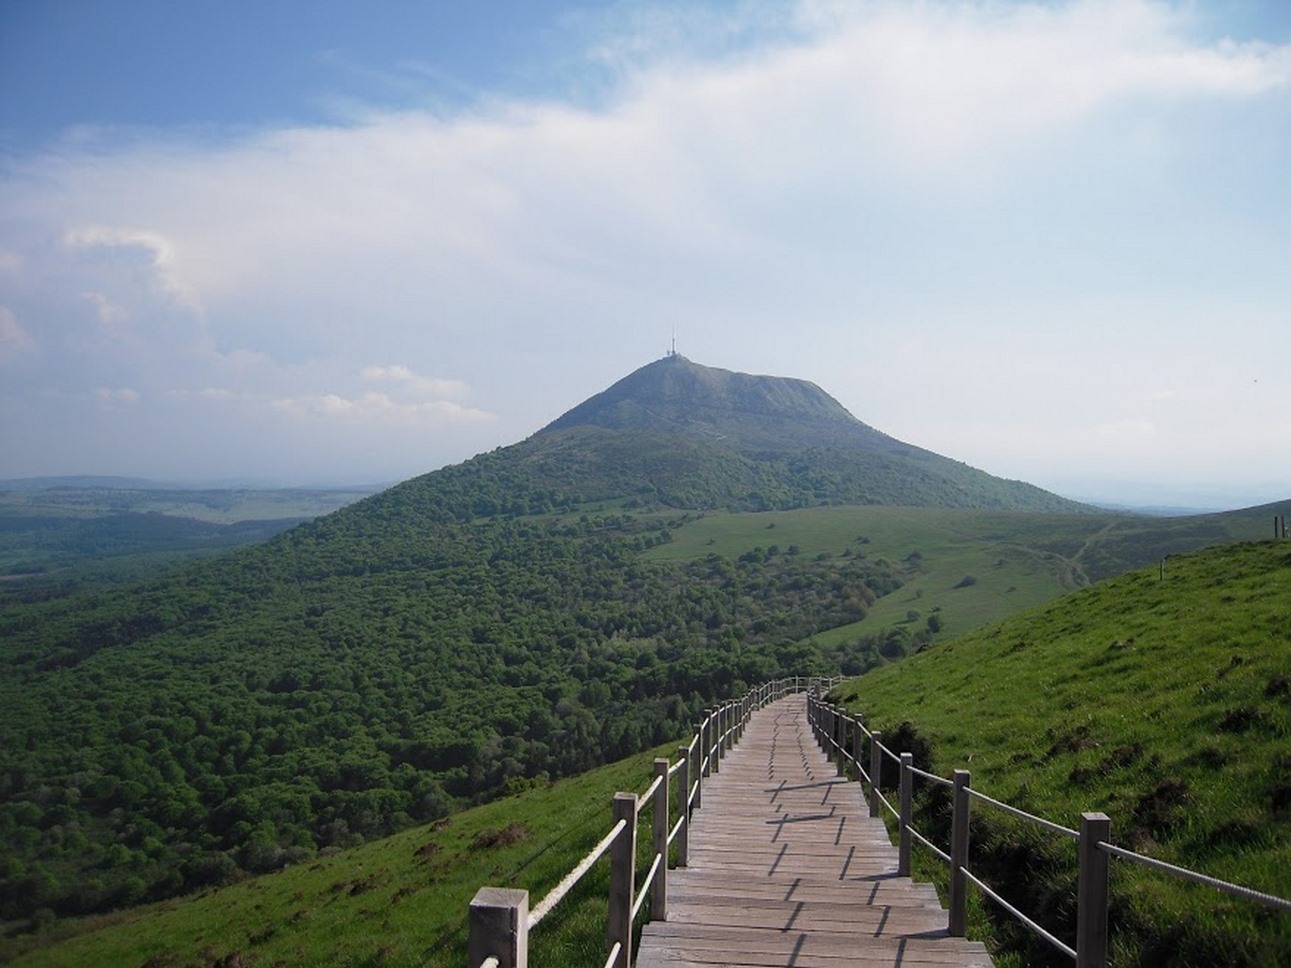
(787, 868)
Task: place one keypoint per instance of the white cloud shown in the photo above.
(404, 378)
(378, 407)
(158, 251)
(14, 340)
(934, 210)
(111, 316)
(121, 396)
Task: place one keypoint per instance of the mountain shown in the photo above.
(761, 442)
(466, 633)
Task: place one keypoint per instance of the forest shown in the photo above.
(374, 669)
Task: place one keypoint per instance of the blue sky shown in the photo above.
(341, 242)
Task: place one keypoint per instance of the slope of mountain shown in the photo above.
(1164, 702)
(1161, 697)
(468, 632)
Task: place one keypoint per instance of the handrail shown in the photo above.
(1037, 929)
(1023, 815)
(650, 790)
(499, 919)
(1237, 890)
(830, 725)
(942, 781)
(557, 893)
(643, 894)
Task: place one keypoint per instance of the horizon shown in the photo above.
(307, 244)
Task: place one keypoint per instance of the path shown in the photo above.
(787, 868)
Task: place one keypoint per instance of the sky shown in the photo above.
(341, 242)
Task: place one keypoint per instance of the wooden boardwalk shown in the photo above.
(787, 868)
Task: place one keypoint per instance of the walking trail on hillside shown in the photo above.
(787, 868)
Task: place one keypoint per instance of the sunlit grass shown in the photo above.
(1162, 702)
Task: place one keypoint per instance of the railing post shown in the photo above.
(729, 731)
(697, 768)
(907, 800)
(1091, 892)
(858, 744)
(659, 830)
(876, 770)
(623, 856)
(712, 722)
(840, 737)
(959, 855)
(683, 806)
(499, 927)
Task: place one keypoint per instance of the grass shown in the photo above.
(1016, 559)
(399, 901)
(1163, 702)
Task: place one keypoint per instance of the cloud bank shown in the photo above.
(1038, 237)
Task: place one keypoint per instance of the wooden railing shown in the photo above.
(500, 919)
(840, 735)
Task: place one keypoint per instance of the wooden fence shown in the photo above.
(500, 919)
(844, 737)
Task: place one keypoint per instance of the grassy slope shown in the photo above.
(1020, 559)
(398, 901)
(1164, 703)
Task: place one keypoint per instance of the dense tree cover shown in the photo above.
(366, 671)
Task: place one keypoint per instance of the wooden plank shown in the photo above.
(786, 868)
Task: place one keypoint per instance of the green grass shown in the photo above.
(1017, 559)
(399, 901)
(1164, 703)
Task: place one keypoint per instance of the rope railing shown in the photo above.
(1056, 828)
(557, 893)
(831, 726)
(500, 921)
(1036, 929)
(1237, 890)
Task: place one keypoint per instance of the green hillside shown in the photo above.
(1166, 703)
(1162, 701)
(1015, 559)
(400, 901)
(526, 615)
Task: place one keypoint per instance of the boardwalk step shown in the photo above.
(786, 868)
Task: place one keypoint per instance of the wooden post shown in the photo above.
(710, 741)
(499, 927)
(1091, 892)
(907, 799)
(697, 773)
(858, 744)
(840, 737)
(623, 857)
(659, 831)
(729, 731)
(959, 855)
(683, 805)
(876, 771)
